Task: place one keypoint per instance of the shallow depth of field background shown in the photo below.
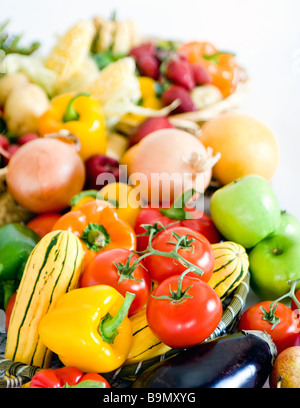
(265, 35)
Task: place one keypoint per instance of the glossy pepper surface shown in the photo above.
(89, 328)
(82, 116)
(97, 225)
(16, 243)
(67, 377)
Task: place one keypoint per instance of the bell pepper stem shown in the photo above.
(214, 57)
(86, 193)
(70, 113)
(109, 325)
(177, 209)
(95, 236)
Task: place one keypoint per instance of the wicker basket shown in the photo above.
(10, 211)
(15, 374)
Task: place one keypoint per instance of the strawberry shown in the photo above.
(148, 126)
(147, 48)
(148, 65)
(178, 92)
(201, 75)
(179, 71)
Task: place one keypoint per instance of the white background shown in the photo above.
(265, 35)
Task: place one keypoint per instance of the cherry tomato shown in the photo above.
(42, 224)
(198, 251)
(9, 309)
(102, 270)
(186, 318)
(286, 333)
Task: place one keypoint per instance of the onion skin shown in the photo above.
(45, 174)
(168, 151)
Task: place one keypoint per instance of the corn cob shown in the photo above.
(117, 36)
(67, 56)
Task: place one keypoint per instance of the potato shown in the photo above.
(8, 83)
(23, 107)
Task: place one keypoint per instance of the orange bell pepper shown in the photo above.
(221, 65)
(98, 227)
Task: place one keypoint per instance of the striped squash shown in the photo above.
(230, 267)
(145, 344)
(53, 268)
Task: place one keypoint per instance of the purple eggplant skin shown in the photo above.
(240, 360)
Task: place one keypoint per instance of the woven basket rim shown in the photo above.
(15, 374)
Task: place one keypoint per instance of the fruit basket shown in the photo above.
(123, 104)
(14, 374)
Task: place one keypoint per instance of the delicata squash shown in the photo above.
(231, 265)
(53, 268)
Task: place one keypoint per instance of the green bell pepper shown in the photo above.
(16, 243)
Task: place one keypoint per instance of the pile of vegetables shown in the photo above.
(113, 269)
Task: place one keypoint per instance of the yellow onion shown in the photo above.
(168, 162)
(44, 174)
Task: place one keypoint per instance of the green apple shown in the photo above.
(289, 225)
(246, 210)
(273, 262)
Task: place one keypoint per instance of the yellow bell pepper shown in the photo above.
(82, 116)
(128, 207)
(89, 328)
(119, 194)
(149, 99)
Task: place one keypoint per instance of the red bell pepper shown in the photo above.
(67, 377)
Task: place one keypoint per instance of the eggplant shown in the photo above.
(240, 360)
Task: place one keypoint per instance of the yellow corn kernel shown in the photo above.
(71, 50)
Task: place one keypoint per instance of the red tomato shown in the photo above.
(201, 223)
(103, 271)
(294, 307)
(205, 226)
(187, 321)
(149, 216)
(285, 334)
(9, 308)
(199, 253)
(42, 224)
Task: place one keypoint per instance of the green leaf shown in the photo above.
(105, 58)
